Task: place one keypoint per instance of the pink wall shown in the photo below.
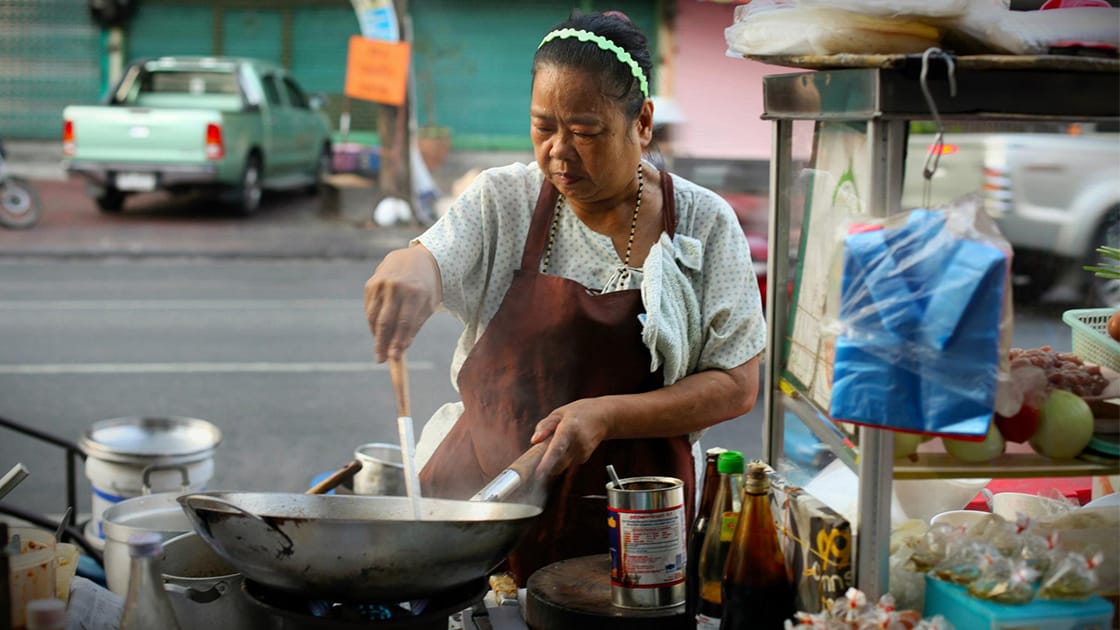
(719, 97)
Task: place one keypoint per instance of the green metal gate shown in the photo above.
(50, 57)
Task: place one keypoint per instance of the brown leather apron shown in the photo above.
(550, 343)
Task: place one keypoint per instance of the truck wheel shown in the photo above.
(110, 201)
(250, 191)
(1106, 291)
(323, 169)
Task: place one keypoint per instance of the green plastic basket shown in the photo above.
(1091, 342)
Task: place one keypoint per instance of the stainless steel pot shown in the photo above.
(382, 472)
(160, 513)
(204, 589)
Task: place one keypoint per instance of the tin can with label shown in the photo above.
(647, 542)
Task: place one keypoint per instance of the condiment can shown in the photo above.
(647, 542)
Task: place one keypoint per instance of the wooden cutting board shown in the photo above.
(576, 593)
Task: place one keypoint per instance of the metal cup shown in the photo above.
(382, 472)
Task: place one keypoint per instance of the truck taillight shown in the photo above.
(68, 137)
(215, 150)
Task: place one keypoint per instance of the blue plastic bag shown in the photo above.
(918, 343)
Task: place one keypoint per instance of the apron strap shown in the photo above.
(538, 228)
(668, 204)
(537, 238)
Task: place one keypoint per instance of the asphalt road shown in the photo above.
(177, 308)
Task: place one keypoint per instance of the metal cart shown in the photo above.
(884, 94)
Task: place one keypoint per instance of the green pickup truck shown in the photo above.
(228, 125)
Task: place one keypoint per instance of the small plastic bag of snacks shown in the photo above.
(1073, 577)
(964, 561)
(930, 550)
(1004, 580)
(1038, 551)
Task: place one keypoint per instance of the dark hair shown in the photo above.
(617, 79)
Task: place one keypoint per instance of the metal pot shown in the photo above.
(160, 513)
(204, 589)
(382, 472)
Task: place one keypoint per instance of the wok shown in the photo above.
(360, 548)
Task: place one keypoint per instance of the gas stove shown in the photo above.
(287, 610)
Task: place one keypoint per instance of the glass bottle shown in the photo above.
(717, 539)
(757, 590)
(699, 526)
(146, 606)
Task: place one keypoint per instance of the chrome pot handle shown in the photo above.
(195, 595)
(195, 502)
(146, 475)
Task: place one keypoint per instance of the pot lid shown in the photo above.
(150, 437)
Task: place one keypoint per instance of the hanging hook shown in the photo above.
(933, 158)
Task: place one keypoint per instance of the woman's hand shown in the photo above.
(401, 295)
(577, 429)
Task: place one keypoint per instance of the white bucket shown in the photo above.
(123, 455)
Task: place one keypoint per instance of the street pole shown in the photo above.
(395, 176)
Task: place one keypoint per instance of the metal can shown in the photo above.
(647, 542)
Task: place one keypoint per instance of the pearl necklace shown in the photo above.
(629, 243)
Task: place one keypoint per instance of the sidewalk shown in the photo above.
(288, 225)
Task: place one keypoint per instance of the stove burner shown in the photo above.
(288, 610)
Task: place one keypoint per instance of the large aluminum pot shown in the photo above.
(160, 513)
(357, 548)
(204, 589)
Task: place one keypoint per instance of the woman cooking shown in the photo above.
(607, 305)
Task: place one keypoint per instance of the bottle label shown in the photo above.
(647, 547)
(727, 526)
(704, 622)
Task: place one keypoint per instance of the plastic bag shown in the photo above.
(924, 322)
(989, 28)
(784, 28)
(895, 8)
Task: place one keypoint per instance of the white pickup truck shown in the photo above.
(1055, 197)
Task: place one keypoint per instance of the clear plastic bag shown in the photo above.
(924, 322)
(776, 27)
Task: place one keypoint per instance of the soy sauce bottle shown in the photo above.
(757, 590)
(699, 527)
(717, 540)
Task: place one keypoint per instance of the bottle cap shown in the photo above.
(46, 613)
(730, 462)
(757, 481)
(145, 544)
(715, 450)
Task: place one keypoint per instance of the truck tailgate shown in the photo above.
(140, 135)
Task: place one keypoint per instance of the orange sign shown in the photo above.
(377, 70)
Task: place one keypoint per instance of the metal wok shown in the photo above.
(357, 548)
(365, 548)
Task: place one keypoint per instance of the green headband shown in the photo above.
(605, 44)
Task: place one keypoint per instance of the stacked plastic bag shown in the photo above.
(832, 27)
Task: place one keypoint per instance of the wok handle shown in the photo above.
(336, 478)
(200, 501)
(513, 478)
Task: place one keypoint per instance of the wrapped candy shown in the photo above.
(854, 612)
(1073, 577)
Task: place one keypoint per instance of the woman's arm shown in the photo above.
(401, 295)
(693, 403)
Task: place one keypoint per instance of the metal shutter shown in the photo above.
(50, 57)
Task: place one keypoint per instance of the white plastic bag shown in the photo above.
(779, 28)
(1034, 32)
(895, 8)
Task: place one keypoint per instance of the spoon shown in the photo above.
(614, 476)
(398, 373)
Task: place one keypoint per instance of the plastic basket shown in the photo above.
(1091, 343)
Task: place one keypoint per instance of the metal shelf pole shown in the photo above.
(777, 272)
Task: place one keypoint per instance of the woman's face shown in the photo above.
(582, 139)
